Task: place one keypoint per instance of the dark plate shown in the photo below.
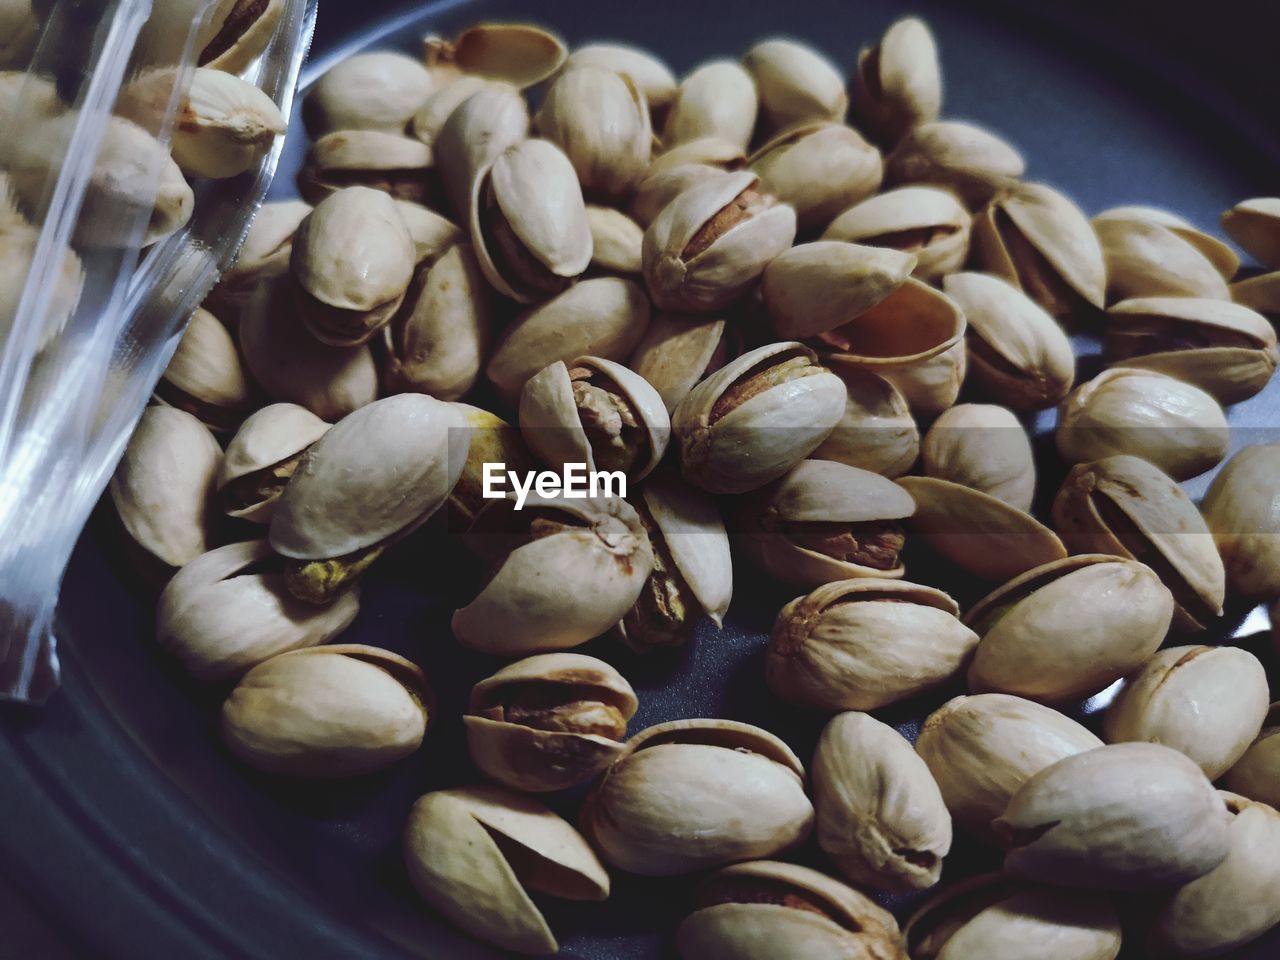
(124, 817)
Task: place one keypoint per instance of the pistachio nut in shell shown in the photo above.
(485, 124)
(227, 611)
(898, 83)
(18, 243)
(205, 375)
(984, 447)
(1256, 775)
(1217, 251)
(765, 909)
(1125, 817)
(1174, 425)
(1243, 512)
(244, 28)
(381, 90)
(712, 242)
(440, 104)
(1146, 258)
(263, 256)
(262, 456)
(164, 486)
(493, 440)
(650, 75)
(877, 432)
(224, 125)
(559, 572)
(474, 853)
(521, 54)
(795, 83)
(978, 532)
(718, 99)
(967, 159)
(1207, 702)
(926, 221)
(332, 711)
(756, 417)
(616, 241)
(1017, 352)
(982, 748)
(1069, 628)
(432, 234)
(678, 351)
(548, 722)
(394, 164)
(1255, 225)
(660, 187)
(996, 918)
(862, 644)
(1125, 506)
(1223, 348)
(691, 795)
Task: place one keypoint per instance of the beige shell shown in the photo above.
(521, 54)
(1207, 702)
(965, 158)
(616, 241)
(660, 187)
(18, 243)
(984, 447)
(473, 135)
(677, 351)
(380, 90)
(389, 162)
(796, 83)
(1255, 225)
(1256, 774)
(1243, 511)
(716, 100)
(982, 748)
(266, 449)
(493, 440)
(877, 431)
(265, 253)
(163, 488)
(244, 28)
(548, 722)
(1174, 425)
(432, 234)
(1017, 352)
(1068, 629)
(221, 615)
(1146, 258)
(863, 644)
(205, 376)
(925, 221)
(1219, 253)
(1125, 506)
(898, 83)
(690, 795)
(705, 150)
(439, 106)
(651, 76)
(1125, 817)
(224, 126)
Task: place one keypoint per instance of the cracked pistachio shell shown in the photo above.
(616, 241)
(1242, 509)
(826, 521)
(863, 644)
(692, 795)
(756, 417)
(967, 159)
(493, 440)
(984, 447)
(557, 587)
(205, 376)
(521, 54)
(437, 340)
(474, 134)
(375, 474)
(765, 909)
(925, 221)
(1217, 251)
(163, 488)
(239, 32)
(1221, 347)
(711, 151)
(262, 456)
(224, 126)
(1041, 242)
(441, 103)
(1174, 425)
(602, 317)
(716, 100)
(432, 234)
(529, 222)
(819, 286)
(1125, 817)
(677, 351)
(1125, 506)
(1255, 225)
(1256, 774)
(877, 431)
(820, 169)
(981, 749)
(1148, 258)
(661, 186)
(651, 76)
(381, 90)
(1017, 351)
(219, 617)
(1207, 702)
(331, 711)
(1069, 628)
(389, 162)
(601, 121)
(712, 242)
(898, 82)
(992, 917)
(265, 253)
(880, 815)
(548, 722)
(474, 853)
(796, 83)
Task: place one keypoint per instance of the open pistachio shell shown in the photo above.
(380, 90)
(716, 100)
(475, 133)
(1243, 511)
(205, 376)
(796, 83)
(262, 456)
(659, 187)
(677, 352)
(616, 241)
(1219, 253)
(264, 255)
(239, 33)
(877, 431)
(651, 76)
(898, 83)
(964, 158)
(1257, 773)
(1146, 258)
(983, 447)
(1255, 225)
(493, 440)
(925, 221)
(521, 54)
(388, 162)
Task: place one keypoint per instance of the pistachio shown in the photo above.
(224, 126)
(381, 90)
(711, 151)
(796, 84)
(925, 221)
(1147, 258)
(661, 186)
(263, 256)
(262, 457)
(863, 644)
(1174, 425)
(1129, 816)
(756, 417)
(678, 351)
(972, 162)
(651, 76)
(441, 103)
(493, 440)
(432, 234)
(1255, 773)
(18, 242)
(1243, 511)
(1220, 254)
(981, 749)
(898, 83)
(1255, 225)
(1068, 629)
(690, 795)
(716, 100)
(548, 722)
(1207, 702)
(983, 447)
(877, 431)
(520, 54)
(473, 854)
(239, 32)
(334, 711)
(205, 376)
(616, 240)
(473, 136)
(382, 161)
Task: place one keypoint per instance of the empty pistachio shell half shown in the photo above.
(1148, 258)
(474, 853)
(877, 431)
(475, 133)
(716, 100)
(388, 162)
(925, 221)
(262, 456)
(616, 241)
(651, 76)
(1207, 702)
(205, 376)
(795, 83)
(678, 351)
(982, 748)
(690, 795)
(898, 83)
(863, 644)
(1218, 252)
(984, 447)
(1255, 225)
(493, 440)
(521, 54)
(964, 158)
(1069, 628)
(548, 722)
(1243, 511)
(263, 256)
(333, 711)
(1257, 773)
(1129, 816)
(765, 909)
(381, 90)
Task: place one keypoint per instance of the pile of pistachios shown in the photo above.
(748, 292)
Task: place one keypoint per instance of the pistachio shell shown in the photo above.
(1145, 258)
(18, 243)
(711, 151)
(382, 161)
(716, 100)
(615, 240)
(380, 90)
(1219, 253)
(650, 75)
(676, 352)
(205, 376)
(521, 54)
(265, 253)
(898, 83)
(474, 134)
(983, 447)
(244, 28)
(796, 83)
(268, 444)
(1255, 225)
(493, 440)
(1243, 511)
(660, 187)
(877, 431)
(926, 221)
(224, 125)
(441, 103)
(1255, 773)
(432, 234)
(971, 161)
